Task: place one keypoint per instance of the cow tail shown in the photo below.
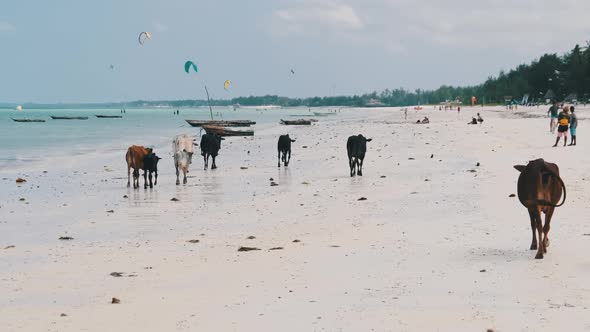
(558, 178)
(562, 186)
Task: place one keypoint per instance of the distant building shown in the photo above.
(374, 103)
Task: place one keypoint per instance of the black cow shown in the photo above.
(150, 164)
(284, 147)
(210, 145)
(356, 147)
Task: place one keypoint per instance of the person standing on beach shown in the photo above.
(573, 125)
(564, 121)
(405, 113)
(553, 114)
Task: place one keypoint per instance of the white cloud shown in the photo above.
(6, 27)
(486, 24)
(525, 26)
(314, 15)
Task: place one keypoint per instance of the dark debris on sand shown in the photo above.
(247, 249)
(66, 238)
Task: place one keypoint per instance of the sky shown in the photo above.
(61, 51)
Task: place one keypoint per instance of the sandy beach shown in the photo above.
(438, 244)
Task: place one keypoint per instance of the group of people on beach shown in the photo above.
(477, 120)
(563, 121)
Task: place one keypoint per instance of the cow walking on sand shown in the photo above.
(136, 159)
(150, 165)
(182, 147)
(356, 147)
(539, 190)
(284, 147)
(210, 145)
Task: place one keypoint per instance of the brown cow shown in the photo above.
(135, 156)
(539, 190)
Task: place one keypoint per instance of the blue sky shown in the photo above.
(60, 51)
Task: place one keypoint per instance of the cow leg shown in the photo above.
(205, 157)
(135, 179)
(213, 166)
(351, 164)
(360, 165)
(144, 179)
(177, 174)
(184, 180)
(150, 177)
(548, 216)
(287, 158)
(128, 176)
(533, 228)
(155, 177)
(279, 159)
(539, 224)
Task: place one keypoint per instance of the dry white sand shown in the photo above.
(435, 247)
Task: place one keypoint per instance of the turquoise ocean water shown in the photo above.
(23, 143)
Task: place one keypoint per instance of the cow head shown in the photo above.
(189, 157)
(364, 139)
(289, 138)
(540, 163)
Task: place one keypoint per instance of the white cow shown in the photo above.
(183, 154)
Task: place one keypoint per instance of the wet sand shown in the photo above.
(438, 245)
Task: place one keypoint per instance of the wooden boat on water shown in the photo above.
(100, 116)
(222, 131)
(69, 117)
(221, 123)
(28, 120)
(299, 122)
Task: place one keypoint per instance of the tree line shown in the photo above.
(549, 77)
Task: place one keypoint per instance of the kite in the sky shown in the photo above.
(188, 65)
(226, 84)
(112, 67)
(292, 71)
(143, 36)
